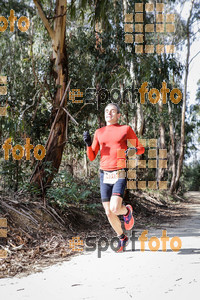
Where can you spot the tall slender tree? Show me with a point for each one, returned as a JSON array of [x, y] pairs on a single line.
[[175, 182], [57, 138]]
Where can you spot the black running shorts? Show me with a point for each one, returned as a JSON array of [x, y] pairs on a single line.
[[108, 190]]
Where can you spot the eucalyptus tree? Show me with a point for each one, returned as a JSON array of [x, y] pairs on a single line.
[[55, 25]]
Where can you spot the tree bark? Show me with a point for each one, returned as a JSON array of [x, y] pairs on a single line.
[[182, 146], [173, 152], [160, 173], [162, 138], [57, 139]]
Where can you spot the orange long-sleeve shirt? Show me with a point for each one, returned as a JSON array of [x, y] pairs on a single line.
[[110, 139]]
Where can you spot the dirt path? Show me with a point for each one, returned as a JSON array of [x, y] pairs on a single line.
[[129, 275]]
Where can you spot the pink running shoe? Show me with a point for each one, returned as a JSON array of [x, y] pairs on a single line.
[[129, 220], [122, 244]]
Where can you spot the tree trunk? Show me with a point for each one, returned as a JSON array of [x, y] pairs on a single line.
[[57, 139], [162, 137], [100, 50], [173, 152], [85, 164], [182, 146], [140, 119]]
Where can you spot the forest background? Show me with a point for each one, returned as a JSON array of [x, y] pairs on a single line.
[[80, 45]]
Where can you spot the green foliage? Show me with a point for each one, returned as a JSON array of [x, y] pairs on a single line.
[[25, 59], [31, 189], [66, 190], [12, 174], [190, 179], [92, 208]]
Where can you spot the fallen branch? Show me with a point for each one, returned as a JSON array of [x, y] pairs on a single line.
[[53, 210], [17, 247], [70, 116], [61, 104], [50, 250], [51, 214], [20, 213]]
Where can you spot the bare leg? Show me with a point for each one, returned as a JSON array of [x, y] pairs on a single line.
[[116, 206], [112, 209]]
